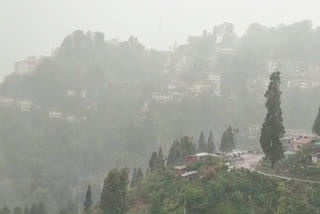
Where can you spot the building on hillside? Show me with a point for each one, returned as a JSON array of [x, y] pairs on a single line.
[[298, 143], [26, 66], [192, 175], [6, 102], [254, 131], [216, 83], [72, 119], [200, 157], [294, 68], [162, 97], [296, 133], [258, 83], [24, 105], [302, 83], [71, 93], [289, 155], [55, 115], [315, 157], [180, 169], [223, 32]]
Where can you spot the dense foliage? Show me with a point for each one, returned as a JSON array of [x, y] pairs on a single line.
[[272, 129], [316, 125]]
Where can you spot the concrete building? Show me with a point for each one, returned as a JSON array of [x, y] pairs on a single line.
[[6, 102], [26, 66], [24, 105], [162, 97], [55, 115]]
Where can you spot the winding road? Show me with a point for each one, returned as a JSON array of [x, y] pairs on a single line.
[[250, 161]]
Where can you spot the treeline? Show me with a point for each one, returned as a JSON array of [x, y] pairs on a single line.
[[34, 209]]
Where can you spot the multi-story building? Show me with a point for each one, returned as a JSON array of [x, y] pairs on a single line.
[[216, 83], [6, 102], [24, 105], [294, 68], [26, 66], [55, 115], [162, 97]]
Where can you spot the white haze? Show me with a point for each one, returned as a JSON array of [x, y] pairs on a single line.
[[35, 27]]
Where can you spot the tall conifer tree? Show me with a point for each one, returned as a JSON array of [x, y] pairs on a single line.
[[272, 129], [210, 144], [316, 125], [88, 202]]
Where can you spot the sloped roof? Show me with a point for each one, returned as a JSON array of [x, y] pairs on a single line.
[[186, 174]]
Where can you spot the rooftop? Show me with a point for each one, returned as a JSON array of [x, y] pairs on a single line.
[[203, 154], [180, 167], [186, 174]]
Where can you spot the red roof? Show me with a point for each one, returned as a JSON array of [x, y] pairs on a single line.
[[303, 140]]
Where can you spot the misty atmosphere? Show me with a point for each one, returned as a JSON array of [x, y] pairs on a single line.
[[142, 107]]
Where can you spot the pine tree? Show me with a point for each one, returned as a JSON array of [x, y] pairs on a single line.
[[272, 129], [139, 176], [227, 141], [133, 182], [153, 161], [41, 209], [26, 210], [202, 146], [316, 125], [113, 197], [160, 163], [33, 209], [173, 153], [211, 146], [180, 150], [5, 210], [88, 202], [17, 210]]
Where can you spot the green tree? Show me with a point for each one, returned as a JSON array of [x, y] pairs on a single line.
[[316, 125], [202, 146], [88, 201], [272, 129], [153, 161], [17, 210], [227, 140], [211, 146], [133, 182], [41, 209], [160, 162], [139, 176], [114, 193], [180, 150], [26, 210], [5, 210]]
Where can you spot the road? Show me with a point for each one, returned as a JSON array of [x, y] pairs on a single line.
[[250, 161]]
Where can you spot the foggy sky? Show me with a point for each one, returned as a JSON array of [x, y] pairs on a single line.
[[35, 27]]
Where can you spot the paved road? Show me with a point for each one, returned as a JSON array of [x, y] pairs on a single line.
[[250, 161]]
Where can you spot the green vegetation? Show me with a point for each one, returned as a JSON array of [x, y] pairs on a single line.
[[228, 141], [316, 125], [272, 128]]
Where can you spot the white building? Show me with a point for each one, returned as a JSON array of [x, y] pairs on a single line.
[[216, 83], [161, 97], [55, 115], [293, 68], [26, 66], [71, 93], [6, 102], [257, 83], [254, 131], [24, 105]]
